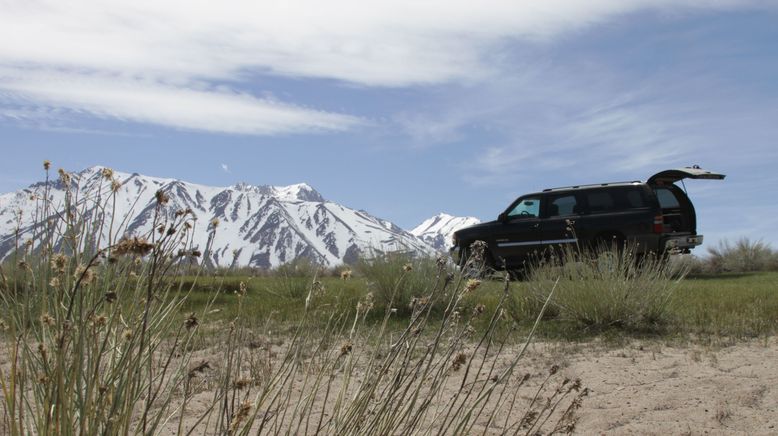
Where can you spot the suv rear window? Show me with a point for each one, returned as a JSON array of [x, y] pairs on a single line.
[[666, 199]]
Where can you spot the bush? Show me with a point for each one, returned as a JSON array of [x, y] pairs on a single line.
[[604, 288], [395, 279], [292, 280], [742, 256]]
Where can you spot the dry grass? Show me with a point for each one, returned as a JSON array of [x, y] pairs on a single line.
[[98, 344]]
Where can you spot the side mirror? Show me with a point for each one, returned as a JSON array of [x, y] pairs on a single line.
[[502, 217]]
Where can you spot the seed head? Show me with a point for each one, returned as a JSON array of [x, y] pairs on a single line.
[[136, 246], [115, 185], [44, 351], [64, 177], [472, 285], [239, 416], [191, 321], [110, 297], [87, 275], [215, 223], [127, 335], [47, 320], [46, 165], [346, 348], [459, 360], [162, 197], [59, 262], [241, 384], [100, 321], [107, 173], [479, 309], [345, 275], [407, 267]]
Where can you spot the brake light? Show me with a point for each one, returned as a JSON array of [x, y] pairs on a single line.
[[659, 224]]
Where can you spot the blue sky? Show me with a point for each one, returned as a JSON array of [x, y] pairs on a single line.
[[404, 109]]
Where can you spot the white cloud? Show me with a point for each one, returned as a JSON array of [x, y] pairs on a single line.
[[369, 42], [225, 168], [148, 101], [158, 61]]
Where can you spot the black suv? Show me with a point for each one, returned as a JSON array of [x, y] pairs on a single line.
[[655, 215]]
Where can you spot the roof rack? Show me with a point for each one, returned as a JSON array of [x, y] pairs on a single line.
[[593, 185]]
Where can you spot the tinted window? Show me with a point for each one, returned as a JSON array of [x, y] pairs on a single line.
[[600, 201], [667, 199], [635, 199], [562, 205], [528, 207], [616, 199]]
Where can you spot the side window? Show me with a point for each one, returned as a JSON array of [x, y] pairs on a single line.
[[600, 201], [528, 207], [635, 199], [562, 205], [667, 199]]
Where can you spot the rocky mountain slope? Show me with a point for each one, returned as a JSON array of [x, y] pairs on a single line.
[[259, 226]]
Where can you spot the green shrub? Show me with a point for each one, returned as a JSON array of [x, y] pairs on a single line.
[[603, 289], [742, 256], [395, 279]]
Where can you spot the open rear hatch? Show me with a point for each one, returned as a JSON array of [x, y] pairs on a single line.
[[667, 177], [678, 214]]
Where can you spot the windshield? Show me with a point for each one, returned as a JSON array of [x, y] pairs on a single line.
[[527, 207]]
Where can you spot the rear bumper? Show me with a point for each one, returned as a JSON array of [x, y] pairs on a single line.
[[682, 242]]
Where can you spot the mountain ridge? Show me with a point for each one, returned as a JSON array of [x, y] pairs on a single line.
[[259, 225], [437, 231]]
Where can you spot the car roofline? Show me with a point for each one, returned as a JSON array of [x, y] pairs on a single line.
[[594, 185]]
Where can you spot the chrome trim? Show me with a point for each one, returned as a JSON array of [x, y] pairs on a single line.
[[549, 242]]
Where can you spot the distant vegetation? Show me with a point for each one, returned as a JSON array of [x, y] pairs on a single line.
[[742, 256]]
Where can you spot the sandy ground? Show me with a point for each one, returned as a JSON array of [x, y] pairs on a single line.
[[650, 388], [646, 388]]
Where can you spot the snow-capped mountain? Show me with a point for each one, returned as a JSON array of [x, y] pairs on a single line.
[[259, 226], [437, 231]]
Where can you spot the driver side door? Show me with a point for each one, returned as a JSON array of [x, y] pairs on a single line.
[[518, 236]]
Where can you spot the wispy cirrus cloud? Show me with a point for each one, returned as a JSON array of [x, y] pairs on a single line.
[[196, 106], [167, 63]]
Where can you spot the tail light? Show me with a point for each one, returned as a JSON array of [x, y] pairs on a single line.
[[659, 224]]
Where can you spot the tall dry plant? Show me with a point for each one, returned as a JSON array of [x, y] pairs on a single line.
[[97, 343], [94, 331]]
